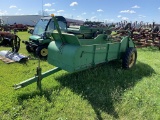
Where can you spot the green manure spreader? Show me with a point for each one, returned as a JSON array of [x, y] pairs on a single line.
[[83, 47]]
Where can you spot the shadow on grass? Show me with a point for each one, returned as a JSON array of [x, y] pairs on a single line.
[[104, 85], [46, 93], [101, 86]]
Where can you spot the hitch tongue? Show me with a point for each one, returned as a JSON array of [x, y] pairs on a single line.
[[25, 83], [37, 78]]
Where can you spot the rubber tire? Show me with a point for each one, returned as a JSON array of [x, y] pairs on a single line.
[[38, 51], [127, 56], [28, 48]]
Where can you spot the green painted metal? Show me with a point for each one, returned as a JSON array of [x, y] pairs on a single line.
[[38, 77], [37, 39], [71, 53], [86, 31], [58, 29], [34, 37], [82, 53]]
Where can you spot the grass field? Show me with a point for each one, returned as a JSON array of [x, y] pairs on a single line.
[[106, 92]]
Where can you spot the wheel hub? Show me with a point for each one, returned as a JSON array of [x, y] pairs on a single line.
[[44, 52]]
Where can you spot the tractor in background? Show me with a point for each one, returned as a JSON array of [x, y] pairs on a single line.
[[39, 41]]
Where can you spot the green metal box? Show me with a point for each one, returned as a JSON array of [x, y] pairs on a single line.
[[79, 54]]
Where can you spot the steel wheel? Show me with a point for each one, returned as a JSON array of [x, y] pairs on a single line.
[[42, 51], [132, 60], [129, 58]]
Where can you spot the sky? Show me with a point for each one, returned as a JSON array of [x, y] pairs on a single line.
[[93, 10]]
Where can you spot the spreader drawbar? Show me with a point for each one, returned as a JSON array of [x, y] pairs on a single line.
[[38, 78]]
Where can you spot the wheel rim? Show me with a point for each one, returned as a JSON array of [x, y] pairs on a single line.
[[132, 60], [44, 52]]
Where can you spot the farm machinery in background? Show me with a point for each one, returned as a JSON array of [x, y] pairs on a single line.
[[142, 34], [83, 47], [15, 27], [11, 40], [6, 38], [147, 36]]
